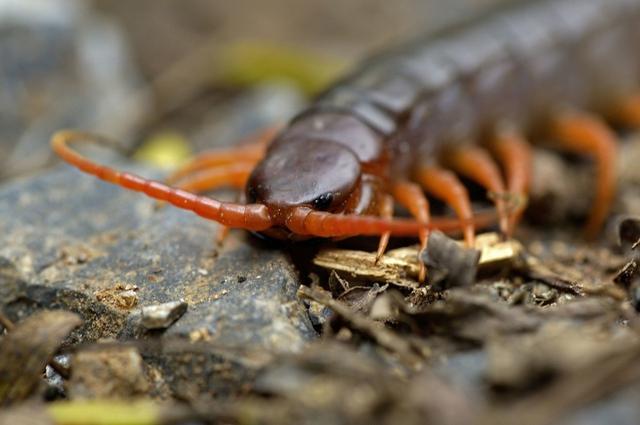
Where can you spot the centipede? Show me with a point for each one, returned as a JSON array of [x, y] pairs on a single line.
[[412, 123]]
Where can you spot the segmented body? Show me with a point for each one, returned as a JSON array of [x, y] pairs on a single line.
[[330, 169], [515, 66]]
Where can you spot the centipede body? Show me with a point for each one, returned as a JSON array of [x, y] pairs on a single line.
[[462, 102]]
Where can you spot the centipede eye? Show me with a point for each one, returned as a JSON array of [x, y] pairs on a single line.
[[252, 194], [323, 202]]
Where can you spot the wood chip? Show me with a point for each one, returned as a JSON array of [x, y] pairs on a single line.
[[400, 266]]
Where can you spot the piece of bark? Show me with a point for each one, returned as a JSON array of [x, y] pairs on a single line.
[[400, 266]]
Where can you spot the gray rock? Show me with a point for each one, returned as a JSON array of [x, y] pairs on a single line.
[[72, 242]]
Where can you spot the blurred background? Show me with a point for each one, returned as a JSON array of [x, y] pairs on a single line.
[[168, 78]]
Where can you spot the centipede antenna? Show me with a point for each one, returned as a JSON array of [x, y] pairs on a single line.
[[305, 221], [251, 217]]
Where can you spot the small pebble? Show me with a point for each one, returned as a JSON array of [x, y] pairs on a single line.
[[201, 334], [161, 316], [128, 299], [628, 232]]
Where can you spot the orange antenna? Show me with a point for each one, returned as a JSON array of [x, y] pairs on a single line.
[[306, 221], [251, 217]]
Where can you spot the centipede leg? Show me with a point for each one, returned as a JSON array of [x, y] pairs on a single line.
[[252, 152], [410, 196], [212, 159], [476, 164], [232, 175], [583, 133], [627, 111], [444, 185], [385, 211], [515, 156]]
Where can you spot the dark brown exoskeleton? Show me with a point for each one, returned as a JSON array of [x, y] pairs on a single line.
[[408, 122]]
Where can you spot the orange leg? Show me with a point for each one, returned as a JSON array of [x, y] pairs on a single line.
[[252, 153], [410, 196], [514, 153], [386, 211], [221, 158], [627, 111], [444, 185], [583, 133], [231, 175], [476, 164]]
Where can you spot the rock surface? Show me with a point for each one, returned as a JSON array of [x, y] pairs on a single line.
[[69, 241]]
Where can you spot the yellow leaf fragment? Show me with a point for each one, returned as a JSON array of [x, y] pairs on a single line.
[[166, 150], [249, 63], [105, 412], [495, 252]]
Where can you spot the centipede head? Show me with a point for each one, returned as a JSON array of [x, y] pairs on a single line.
[[317, 176]]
